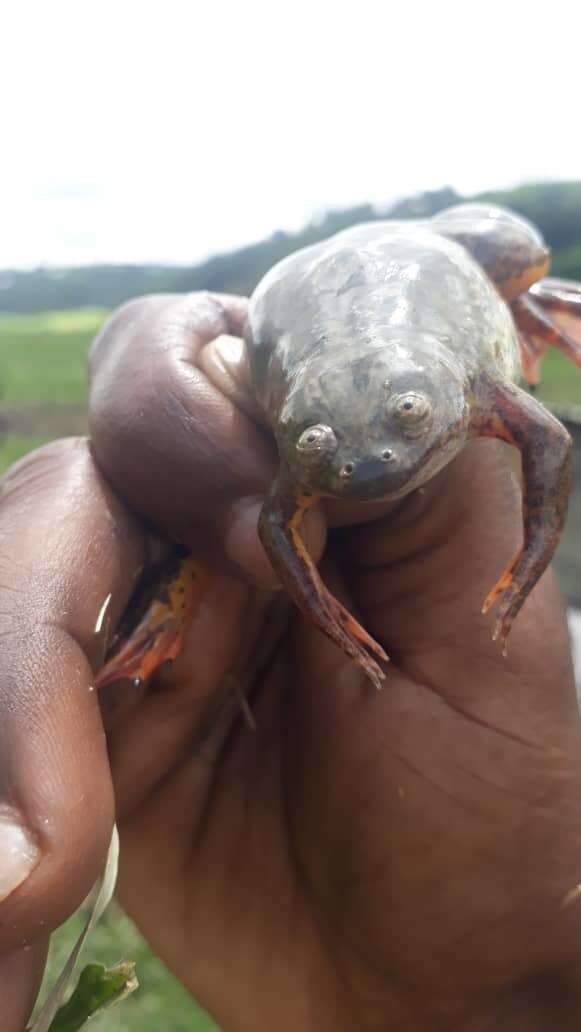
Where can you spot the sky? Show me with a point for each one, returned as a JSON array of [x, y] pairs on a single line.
[[167, 131]]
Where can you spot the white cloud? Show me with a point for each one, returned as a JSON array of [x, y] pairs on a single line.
[[165, 131]]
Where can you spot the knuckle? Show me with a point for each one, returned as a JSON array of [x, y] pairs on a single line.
[[201, 313], [41, 468]]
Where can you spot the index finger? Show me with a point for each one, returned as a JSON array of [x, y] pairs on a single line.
[[66, 544], [174, 444]]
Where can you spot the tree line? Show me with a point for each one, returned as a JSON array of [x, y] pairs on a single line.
[[554, 207]]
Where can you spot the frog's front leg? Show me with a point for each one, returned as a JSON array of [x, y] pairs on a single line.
[[510, 414], [279, 524]]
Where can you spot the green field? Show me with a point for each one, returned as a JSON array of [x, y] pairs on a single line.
[[43, 377], [43, 383], [43, 393]]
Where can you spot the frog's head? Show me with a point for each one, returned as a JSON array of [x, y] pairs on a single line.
[[376, 426]]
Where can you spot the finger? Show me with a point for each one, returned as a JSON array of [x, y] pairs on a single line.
[[20, 978], [420, 577], [181, 718], [65, 544], [225, 363], [171, 442], [413, 778]]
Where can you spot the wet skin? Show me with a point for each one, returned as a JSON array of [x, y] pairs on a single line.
[[375, 356]]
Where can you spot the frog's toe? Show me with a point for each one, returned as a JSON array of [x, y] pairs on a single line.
[[531, 353], [502, 585], [143, 654], [371, 669], [353, 640], [159, 634], [505, 618], [354, 628], [510, 594], [539, 329]]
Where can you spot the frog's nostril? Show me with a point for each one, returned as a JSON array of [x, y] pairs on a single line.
[[387, 455], [347, 470]]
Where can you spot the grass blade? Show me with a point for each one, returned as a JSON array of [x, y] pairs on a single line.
[[98, 989], [44, 1019]]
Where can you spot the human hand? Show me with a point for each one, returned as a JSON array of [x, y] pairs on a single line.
[[363, 860]]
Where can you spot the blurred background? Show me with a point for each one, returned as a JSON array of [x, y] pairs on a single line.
[[180, 146]]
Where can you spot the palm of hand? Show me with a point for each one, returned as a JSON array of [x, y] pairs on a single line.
[[364, 860], [337, 862]]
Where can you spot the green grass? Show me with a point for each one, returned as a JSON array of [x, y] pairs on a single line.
[[43, 357], [160, 1003], [561, 381], [43, 360]]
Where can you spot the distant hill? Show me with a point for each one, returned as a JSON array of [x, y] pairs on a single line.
[[554, 207]]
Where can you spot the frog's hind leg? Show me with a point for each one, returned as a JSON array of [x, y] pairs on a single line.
[[562, 300], [160, 631], [537, 318], [532, 352], [512, 415], [279, 532]]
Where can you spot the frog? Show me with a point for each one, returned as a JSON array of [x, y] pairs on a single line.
[[375, 356]]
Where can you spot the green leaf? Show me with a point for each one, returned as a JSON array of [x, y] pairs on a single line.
[[43, 1022], [98, 989]]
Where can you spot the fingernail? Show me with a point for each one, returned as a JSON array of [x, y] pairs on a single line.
[[19, 853], [244, 549], [225, 363], [229, 352]]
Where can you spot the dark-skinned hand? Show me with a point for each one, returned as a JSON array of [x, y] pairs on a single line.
[[404, 859]]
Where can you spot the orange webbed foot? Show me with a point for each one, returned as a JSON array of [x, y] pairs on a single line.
[[278, 528], [510, 597], [159, 634]]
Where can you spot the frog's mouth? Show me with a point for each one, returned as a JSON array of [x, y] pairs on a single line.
[[372, 477], [389, 474]]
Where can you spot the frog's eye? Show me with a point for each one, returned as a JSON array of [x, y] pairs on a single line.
[[412, 410], [317, 442]]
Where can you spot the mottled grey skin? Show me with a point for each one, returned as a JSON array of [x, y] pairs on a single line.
[[340, 331], [374, 356]]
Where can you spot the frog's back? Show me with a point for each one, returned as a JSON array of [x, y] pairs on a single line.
[[390, 282]]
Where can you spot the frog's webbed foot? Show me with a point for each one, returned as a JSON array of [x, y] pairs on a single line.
[[561, 298], [548, 315], [532, 352], [278, 527], [511, 415], [159, 632]]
